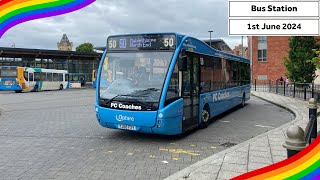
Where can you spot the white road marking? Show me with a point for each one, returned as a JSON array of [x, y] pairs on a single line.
[[264, 126], [165, 162], [225, 121]]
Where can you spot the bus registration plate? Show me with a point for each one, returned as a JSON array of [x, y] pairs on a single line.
[[127, 127]]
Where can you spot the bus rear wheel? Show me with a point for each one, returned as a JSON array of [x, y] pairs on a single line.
[[205, 117], [61, 87]]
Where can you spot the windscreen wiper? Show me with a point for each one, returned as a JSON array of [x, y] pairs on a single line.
[[151, 89], [110, 100], [143, 92]]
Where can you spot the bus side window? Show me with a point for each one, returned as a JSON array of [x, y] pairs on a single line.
[[49, 76], [43, 76], [218, 76], [55, 77], [60, 77], [173, 90], [36, 76], [207, 74]]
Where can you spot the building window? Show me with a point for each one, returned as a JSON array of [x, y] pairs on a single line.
[[262, 48]]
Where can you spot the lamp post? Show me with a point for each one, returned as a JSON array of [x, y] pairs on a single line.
[[210, 37]]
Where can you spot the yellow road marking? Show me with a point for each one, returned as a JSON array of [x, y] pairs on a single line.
[[180, 151]]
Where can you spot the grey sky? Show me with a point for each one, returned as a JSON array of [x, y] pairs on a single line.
[[108, 17]]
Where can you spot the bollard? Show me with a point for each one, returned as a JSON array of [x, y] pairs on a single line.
[[313, 113], [295, 141]]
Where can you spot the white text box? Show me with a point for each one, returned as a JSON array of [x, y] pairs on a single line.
[[262, 9], [279, 27]]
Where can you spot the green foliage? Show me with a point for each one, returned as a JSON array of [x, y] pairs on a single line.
[[316, 60], [85, 48], [299, 67]]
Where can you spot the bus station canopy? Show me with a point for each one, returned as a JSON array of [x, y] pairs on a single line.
[[46, 54]]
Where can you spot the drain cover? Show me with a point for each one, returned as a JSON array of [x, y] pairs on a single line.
[[228, 144]]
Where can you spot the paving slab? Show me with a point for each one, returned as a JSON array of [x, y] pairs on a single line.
[[258, 152]]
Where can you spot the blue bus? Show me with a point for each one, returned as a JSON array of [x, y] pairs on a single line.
[[167, 83]]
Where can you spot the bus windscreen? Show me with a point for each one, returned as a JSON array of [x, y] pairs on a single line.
[[134, 75]]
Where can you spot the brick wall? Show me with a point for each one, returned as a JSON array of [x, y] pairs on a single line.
[[273, 68]]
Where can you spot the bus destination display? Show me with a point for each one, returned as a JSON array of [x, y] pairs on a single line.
[[142, 42]]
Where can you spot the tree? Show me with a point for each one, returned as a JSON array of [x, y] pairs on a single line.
[[316, 60], [85, 48], [299, 67]]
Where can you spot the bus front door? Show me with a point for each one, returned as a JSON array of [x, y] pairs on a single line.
[[190, 93]]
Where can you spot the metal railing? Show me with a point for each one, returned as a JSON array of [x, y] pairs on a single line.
[[303, 91]]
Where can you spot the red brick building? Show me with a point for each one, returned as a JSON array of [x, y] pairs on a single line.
[[268, 53]]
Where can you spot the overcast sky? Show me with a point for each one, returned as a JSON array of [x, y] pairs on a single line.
[[96, 22]]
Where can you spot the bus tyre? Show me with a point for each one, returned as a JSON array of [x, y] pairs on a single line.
[[243, 101], [61, 87], [18, 91], [205, 117]]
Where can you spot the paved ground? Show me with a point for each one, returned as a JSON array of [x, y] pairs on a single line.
[[261, 151], [54, 135]]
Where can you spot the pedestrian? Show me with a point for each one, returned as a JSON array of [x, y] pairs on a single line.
[[281, 80], [82, 81], [287, 82]]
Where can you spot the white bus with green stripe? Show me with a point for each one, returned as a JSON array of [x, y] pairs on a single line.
[[20, 79]]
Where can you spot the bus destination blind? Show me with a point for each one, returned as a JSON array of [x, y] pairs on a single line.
[[142, 42]]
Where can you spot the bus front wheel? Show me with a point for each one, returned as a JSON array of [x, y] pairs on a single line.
[[205, 117], [18, 91], [61, 87]]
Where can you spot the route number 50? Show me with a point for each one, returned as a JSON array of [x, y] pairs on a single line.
[[168, 42], [112, 44]]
